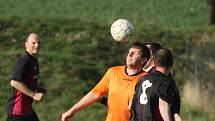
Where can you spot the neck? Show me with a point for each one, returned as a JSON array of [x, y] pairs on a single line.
[[132, 70], [34, 55], [163, 70], [148, 68]]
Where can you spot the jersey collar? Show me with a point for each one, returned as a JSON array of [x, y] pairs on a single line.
[[132, 74]]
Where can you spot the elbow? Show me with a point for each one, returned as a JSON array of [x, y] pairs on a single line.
[[161, 108], [161, 105], [177, 117], [13, 83]]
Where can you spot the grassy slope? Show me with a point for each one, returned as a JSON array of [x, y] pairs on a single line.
[[70, 63], [167, 14], [76, 35]]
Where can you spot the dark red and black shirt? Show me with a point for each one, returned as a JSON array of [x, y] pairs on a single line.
[[25, 71], [145, 103]]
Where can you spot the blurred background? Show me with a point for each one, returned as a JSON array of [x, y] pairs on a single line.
[[77, 49]]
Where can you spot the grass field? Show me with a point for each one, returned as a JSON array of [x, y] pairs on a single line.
[[168, 14], [77, 47]]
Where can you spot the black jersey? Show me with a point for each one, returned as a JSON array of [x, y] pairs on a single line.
[[25, 71], [175, 104], [145, 103]]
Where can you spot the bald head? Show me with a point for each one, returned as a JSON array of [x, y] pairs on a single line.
[[32, 36], [32, 44]]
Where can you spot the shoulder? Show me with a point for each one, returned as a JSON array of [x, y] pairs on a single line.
[[24, 58], [167, 84], [147, 76], [143, 78], [116, 68]]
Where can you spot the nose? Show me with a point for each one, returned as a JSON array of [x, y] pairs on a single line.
[[130, 54], [37, 45]]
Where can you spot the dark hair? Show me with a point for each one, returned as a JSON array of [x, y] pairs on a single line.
[[163, 57], [153, 47], [145, 51]]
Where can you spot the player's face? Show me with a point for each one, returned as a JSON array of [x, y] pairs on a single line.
[[134, 57], [32, 45]]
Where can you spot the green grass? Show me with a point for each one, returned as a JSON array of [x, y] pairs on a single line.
[[190, 113], [72, 64], [165, 14]]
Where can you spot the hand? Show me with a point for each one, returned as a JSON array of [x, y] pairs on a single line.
[[177, 117], [43, 90], [37, 96], [65, 116]]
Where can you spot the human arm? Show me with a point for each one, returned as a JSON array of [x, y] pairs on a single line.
[[166, 96], [176, 104], [24, 89], [175, 107], [94, 95], [40, 89], [83, 103], [164, 110], [102, 88], [177, 117]]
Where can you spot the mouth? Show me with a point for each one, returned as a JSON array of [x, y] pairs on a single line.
[[36, 50], [129, 60]]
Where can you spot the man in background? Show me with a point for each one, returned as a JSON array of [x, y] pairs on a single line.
[[24, 83]]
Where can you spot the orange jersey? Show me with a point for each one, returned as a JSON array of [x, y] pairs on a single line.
[[120, 89]]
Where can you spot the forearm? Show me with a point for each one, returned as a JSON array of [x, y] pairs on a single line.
[[164, 110], [84, 102], [37, 96], [177, 117], [22, 88]]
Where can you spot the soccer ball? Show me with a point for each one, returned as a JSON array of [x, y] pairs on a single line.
[[121, 30]]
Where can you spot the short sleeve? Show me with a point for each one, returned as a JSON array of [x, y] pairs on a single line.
[[165, 91], [102, 87], [176, 103], [18, 73]]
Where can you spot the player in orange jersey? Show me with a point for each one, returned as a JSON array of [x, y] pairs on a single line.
[[119, 83]]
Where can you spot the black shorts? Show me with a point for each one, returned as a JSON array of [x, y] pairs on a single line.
[[32, 117]]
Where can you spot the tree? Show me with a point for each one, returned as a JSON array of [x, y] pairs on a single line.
[[211, 11]]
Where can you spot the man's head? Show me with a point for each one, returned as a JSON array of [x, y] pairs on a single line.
[[138, 55], [163, 58], [32, 44], [153, 47]]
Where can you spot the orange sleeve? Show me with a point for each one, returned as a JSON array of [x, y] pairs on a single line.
[[102, 87]]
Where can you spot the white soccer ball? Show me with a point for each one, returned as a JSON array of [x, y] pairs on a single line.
[[121, 30]]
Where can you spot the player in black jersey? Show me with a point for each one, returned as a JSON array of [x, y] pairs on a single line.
[[24, 83], [156, 96], [149, 66]]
